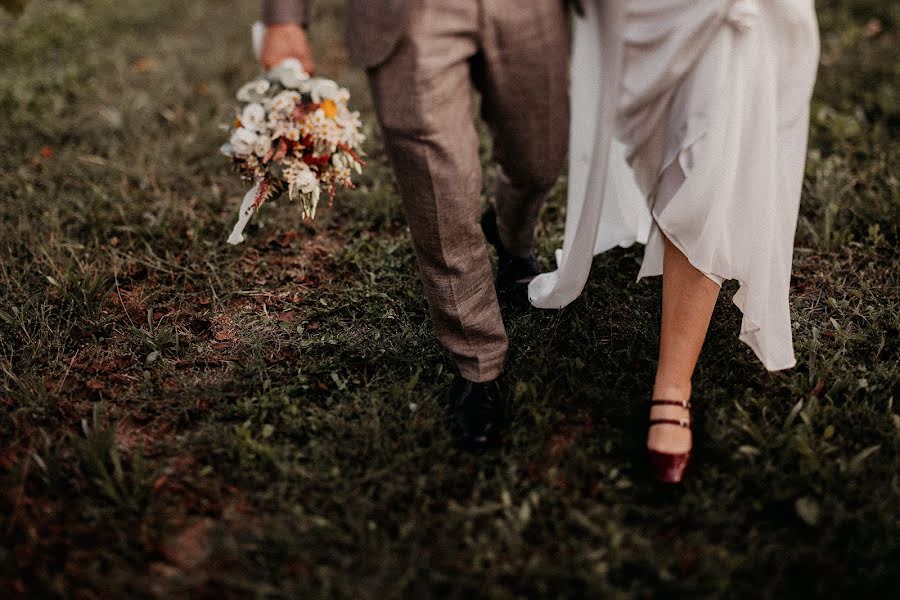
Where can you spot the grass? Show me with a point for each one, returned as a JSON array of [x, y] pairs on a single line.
[[179, 418]]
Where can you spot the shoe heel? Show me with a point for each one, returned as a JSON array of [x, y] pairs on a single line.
[[669, 468]]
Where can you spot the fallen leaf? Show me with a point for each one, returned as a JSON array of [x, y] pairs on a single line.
[[191, 547], [164, 571], [872, 29], [160, 482], [145, 65], [287, 317], [287, 238]]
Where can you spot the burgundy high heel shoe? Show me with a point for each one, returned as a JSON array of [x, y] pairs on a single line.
[[669, 468]]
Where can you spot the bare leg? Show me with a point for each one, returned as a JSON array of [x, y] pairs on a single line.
[[689, 298]]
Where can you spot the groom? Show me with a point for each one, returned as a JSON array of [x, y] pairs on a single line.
[[423, 58]]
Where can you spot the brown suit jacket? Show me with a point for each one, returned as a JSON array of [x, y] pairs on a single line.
[[374, 27]]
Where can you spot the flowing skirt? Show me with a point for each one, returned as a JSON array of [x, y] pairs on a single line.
[[707, 147]]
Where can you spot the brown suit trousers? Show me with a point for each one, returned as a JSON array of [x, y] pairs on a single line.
[[515, 53]]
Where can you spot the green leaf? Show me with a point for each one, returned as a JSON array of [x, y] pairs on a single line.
[[793, 414], [857, 461]]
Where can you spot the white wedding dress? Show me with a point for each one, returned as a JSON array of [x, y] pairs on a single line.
[[716, 94]]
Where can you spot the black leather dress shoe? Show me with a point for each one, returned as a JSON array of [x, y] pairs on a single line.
[[476, 414], [514, 273]]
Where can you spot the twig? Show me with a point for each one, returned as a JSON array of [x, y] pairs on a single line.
[[121, 301], [66, 374]]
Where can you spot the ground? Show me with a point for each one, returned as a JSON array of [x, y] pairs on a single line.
[[181, 418]]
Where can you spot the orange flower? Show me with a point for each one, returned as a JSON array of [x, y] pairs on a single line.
[[330, 109]]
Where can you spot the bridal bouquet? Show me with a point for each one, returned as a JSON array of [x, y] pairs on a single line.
[[296, 134]]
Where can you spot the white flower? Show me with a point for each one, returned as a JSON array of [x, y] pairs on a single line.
[[291, 133], [284, 103], [243, 142], [262, 146], [323, 89], [345, 162], [254, 116], [253, 91], [304, 179], [304, 182], [289, 73]]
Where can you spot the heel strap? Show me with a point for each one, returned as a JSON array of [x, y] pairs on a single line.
[[682, 423], [682, 403]]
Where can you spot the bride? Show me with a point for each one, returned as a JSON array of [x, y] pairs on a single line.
[[689, 135]]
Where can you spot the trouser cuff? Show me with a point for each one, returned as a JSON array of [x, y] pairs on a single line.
[[479, 370]]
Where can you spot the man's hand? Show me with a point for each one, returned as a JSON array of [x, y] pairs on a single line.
[[286, 40]]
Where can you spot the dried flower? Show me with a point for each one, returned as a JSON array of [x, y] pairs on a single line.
[[289, 73], [243, 141], [253, 91], [254, 116], [295, 134]]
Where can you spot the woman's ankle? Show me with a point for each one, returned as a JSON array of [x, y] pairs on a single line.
[[666, 390]]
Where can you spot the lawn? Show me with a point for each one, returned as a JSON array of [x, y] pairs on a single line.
[[184, 419]]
